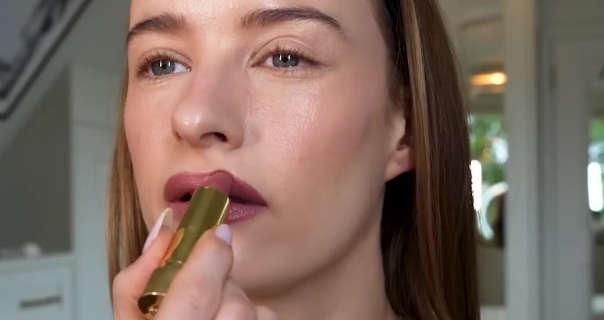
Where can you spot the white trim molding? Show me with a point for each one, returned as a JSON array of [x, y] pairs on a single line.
[[521, 116]]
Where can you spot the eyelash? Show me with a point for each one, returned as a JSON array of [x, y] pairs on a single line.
[[143, 69], [289, 51]]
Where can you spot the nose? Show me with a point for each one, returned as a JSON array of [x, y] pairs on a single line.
[[209, 114]]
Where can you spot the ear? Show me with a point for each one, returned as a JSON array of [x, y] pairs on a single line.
[[400, 151]]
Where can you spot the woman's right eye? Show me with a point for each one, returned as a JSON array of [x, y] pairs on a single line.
[[163, 67]]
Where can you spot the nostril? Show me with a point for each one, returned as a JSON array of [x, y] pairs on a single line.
[[214, 136], [220, 136]]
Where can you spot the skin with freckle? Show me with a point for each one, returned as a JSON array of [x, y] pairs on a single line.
[[313, 139]]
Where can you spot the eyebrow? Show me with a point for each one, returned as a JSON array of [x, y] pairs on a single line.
[[162, 23], [170, 23], [266, 17]]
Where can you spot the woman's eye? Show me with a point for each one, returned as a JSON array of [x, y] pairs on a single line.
[[285, 60], [288, 60], [163, 67]]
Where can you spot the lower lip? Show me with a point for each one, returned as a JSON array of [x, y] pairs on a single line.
[[236, 211]]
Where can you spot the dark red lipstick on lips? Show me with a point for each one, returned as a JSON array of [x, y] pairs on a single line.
[[207, 209], [245, 201], [200, 201]]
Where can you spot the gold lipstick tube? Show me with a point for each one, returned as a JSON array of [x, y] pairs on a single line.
[[207, 209]]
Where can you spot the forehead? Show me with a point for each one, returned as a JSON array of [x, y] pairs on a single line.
[[351, 14]]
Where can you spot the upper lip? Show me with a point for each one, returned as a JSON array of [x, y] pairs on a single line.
[[181, 186]]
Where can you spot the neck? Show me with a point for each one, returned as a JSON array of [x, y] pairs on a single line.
[[350, 288]]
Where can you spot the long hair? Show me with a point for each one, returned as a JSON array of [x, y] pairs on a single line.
[[428, 226], [428, 221]]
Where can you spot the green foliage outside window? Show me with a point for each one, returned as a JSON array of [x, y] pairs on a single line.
[[488, 144], [486, 138]]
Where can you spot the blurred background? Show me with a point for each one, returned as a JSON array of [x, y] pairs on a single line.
[[533, 74]]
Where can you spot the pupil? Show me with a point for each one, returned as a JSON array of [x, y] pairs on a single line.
[[285, 60], [163, 67]]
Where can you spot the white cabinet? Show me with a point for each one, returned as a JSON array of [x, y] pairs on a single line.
[[36, 289]]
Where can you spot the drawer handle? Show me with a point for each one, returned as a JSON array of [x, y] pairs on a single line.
[[40, 302]]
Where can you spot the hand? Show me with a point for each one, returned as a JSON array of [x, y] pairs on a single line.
[[201, 289]]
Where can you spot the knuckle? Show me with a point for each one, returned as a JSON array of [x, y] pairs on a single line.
[[192, 282], [198, 303], [238, 308], [264, 313], [215, 248], [120, 283], [193, 298]]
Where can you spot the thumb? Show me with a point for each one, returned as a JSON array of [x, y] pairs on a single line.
[[130, 282]]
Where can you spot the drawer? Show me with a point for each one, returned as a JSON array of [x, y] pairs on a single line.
[[36, 294]]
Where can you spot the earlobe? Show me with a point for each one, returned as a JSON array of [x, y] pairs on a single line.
[[400, 161], [400, 157]]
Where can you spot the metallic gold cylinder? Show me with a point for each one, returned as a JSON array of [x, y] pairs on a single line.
[[207, 209]]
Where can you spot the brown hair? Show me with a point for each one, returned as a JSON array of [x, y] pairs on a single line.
[[428, 223]]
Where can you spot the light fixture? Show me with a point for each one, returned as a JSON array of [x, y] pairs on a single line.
[[497, 78]]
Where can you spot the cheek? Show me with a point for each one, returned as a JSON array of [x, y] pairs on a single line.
[[323, 151], [341, 147], [327, 135], [146, 131]]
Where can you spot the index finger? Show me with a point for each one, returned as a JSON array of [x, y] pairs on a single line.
[[130, 282], [196, 291]]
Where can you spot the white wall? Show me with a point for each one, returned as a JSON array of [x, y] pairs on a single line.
[[35, 195], [97, 50], [93, 55], [94, 99]]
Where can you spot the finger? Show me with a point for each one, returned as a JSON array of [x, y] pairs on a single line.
[[235, 304], [196, 291], [264, 313], [131, 281]]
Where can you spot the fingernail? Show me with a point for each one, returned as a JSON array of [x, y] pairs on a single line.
[[224, 233], [164, 219]]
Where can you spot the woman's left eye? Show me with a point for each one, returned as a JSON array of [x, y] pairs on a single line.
[[164, 67], [286, 60]]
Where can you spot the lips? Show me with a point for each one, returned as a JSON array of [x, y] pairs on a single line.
[[245, 201]]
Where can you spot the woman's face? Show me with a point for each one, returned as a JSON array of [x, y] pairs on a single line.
[[289, 96]]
